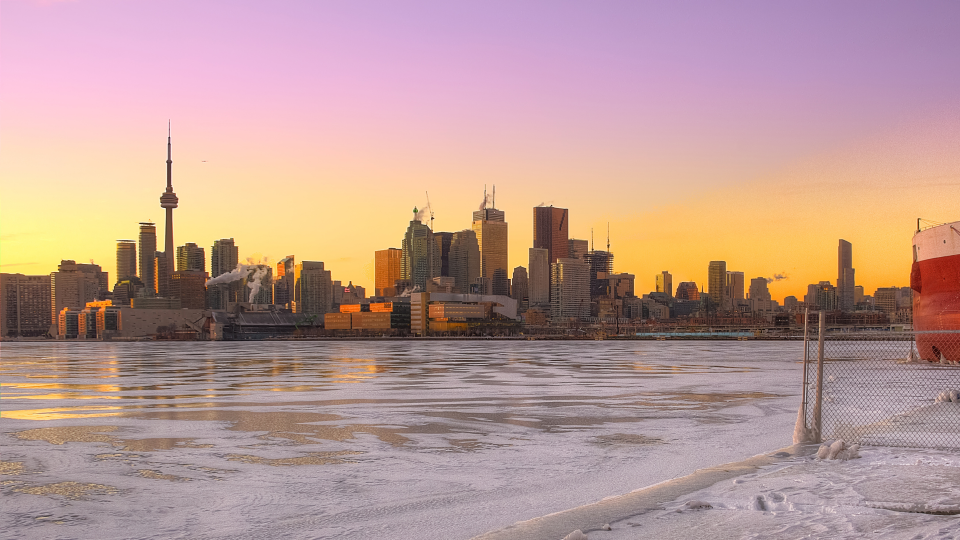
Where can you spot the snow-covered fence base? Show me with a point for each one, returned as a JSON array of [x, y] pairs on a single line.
[[879, 389]]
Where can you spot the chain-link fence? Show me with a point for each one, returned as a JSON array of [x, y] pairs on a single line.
[[884, 388]]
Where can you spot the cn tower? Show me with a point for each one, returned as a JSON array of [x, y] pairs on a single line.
[[168, 201]]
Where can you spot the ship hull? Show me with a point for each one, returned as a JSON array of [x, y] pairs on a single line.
[[935, 280]]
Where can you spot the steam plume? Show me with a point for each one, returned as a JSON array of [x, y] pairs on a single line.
[[254, 272], [778, 277]]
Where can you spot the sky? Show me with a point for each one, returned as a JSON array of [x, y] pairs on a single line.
[[758, 133]]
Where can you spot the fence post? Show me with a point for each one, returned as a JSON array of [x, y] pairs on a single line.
[[803, 399], [818, 404]]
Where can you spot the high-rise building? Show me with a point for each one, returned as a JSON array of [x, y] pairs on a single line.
[[224, 257], [148, 250], [601, 266], [845, 276], [189, 286], [464, 260], [826, 296], [168, 201], [570, 289], [885, 299], [73, 285], [25, 305], [717, 284], [735, 286], [576, 249], [191, 257], [491, 228], [519, 287], [687, 290], [665, 283], [283, 284], [857, 294], [538, 285], [162, 278], [760, 300], [313, 289], [443, 240], [126, 259], [420, 261], [622, 285], [551, 232], [387, 264]]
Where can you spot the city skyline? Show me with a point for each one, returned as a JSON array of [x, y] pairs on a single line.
[[728, 157]]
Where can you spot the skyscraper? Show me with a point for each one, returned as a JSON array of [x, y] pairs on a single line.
[[601, 266], [191, 257], [313, 289], [519, 287], [420, 261], [845, 276], [569, 289], [464, 260], [283, 284], [25, 305], [126, 259], [550, 232], [491, 228], [717, 284], [168, 201], [576, 249], [224, 257], [538, 285], [387, 264], [665, 283], [73, 285], [687, 290], [735, 286], [161, 276], [443, 240], [148, 250]]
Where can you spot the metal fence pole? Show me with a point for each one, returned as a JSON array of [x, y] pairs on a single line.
[[803, 401], [818, 404]]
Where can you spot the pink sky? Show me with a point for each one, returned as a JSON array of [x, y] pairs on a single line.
[[322, 124]]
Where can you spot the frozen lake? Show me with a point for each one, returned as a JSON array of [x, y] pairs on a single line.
[[367, 439]]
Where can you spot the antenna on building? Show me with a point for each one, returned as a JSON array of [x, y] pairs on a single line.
[[608, 236], [591, 239], [494, 201]]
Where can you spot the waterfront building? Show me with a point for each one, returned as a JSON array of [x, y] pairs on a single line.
[[885, 299], [25, 305], [191, 257], [73, 285], [717, 284], [387, 263], [491, 228], [538, 285], [420, 261], [189, 287], [577, 249], [551, 232], [664, 283], [464, 260], [845, 276], [313, 289], [148, 249], [570, 289], [126, 259], [519, 287]]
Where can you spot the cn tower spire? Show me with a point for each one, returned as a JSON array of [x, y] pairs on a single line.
[[168, 201]]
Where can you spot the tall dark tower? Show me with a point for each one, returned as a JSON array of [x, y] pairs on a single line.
[[168, 201]]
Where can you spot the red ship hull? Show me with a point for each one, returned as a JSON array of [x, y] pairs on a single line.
[[936, 307]]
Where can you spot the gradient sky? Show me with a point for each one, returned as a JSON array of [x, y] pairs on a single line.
[[754, 132]]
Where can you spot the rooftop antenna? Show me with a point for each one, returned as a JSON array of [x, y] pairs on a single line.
[[591, 239], [608, 236], [494, 201], [430, 207]]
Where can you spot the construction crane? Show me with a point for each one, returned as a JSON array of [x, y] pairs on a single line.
[[430, 207]]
